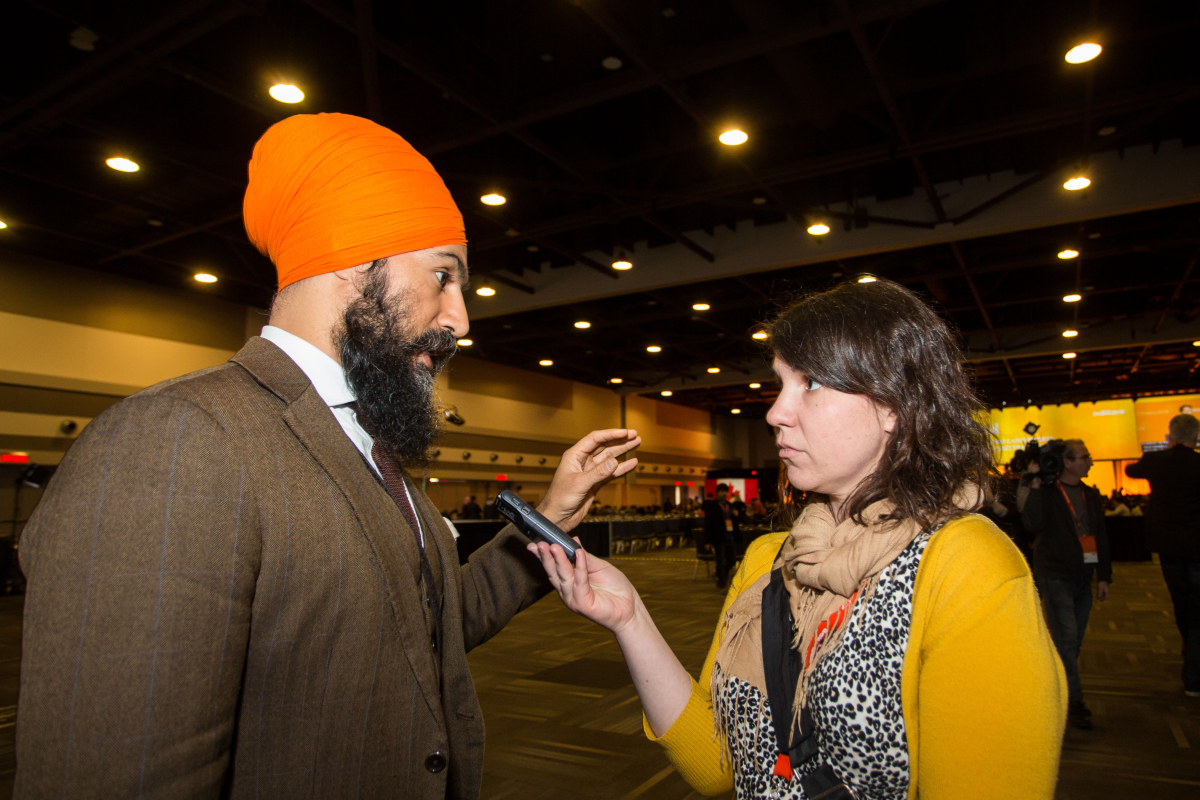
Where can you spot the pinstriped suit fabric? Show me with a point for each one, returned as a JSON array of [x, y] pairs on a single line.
[[223, 603]]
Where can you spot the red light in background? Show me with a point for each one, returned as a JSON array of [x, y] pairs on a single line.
[[691, 484], [679, 483], [14, 458], [753, 472], [501, 477]]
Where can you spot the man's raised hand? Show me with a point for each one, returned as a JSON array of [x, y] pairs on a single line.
[[584, 468]]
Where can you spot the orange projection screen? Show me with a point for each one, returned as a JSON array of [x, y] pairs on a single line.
[[1153, 415], [1108, 428]]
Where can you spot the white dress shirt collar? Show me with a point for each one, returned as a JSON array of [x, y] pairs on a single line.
[[326, 375]]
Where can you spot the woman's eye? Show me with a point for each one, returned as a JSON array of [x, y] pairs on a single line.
[[813, 385]]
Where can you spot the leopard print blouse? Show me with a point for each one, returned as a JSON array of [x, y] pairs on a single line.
[[854, 696]]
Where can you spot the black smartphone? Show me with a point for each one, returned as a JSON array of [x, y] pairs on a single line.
[[533, 524]]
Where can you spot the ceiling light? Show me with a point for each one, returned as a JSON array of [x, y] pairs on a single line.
[[756, 386], [759, 335], [122, 164], [1107, 130], [622, 264], [1077, 183], [583, 324], [1070, 334], [714, 370], [614, 380], [612, 62], [818, 229], [1072, 298], [465, 342], [700, 306], [1081, 53], [759, 201], [733, 137], [286, 93], [545, 362], [3, 225], [1068, 254], [204, 277], [1068, 355], [485, 291], [1196, 343], [653, 349], [666, 393], [735, 411], [867, 279], [435, 480], [493, 199]]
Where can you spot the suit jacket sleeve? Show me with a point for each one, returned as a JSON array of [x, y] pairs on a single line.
[[498, 580], [141, 559], [1141, 469]]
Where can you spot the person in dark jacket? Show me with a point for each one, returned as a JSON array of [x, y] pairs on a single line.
[[471, 509], [1174, 527], [1070, 547], [721, 531]]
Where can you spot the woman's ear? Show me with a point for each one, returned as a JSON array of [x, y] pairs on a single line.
[[887, 418]]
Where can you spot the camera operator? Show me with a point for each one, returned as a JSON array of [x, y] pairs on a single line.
[[1071, 545]]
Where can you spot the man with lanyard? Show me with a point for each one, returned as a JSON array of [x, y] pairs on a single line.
[[721, 531], [1071, 546]]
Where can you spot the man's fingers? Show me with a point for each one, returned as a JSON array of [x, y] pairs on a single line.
[[624, 467], [597, 440]]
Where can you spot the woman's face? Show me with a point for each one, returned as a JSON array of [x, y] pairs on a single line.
[[830, 441]]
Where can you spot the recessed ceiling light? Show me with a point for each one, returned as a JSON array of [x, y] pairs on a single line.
[[485, 291], [622, 264], [1077, 183], [533, 248], [1095, 235], [700, 306], [1072, 298], [756, 386], [612, 62], [583, 324], [204, 277], [759, 201], [759, 335], [493, 199], [714, 370], [3, 225], [1070, 334], [1081, 53], [818, 229], [1068, 254], [545, 362], [867, 279], [1068, 355], [465, 342], [735, 411], [286, 93], [1107, 130], [653, 349], [122, 164], [666, 393], [1196, 343], [615, 380], [733, 137]]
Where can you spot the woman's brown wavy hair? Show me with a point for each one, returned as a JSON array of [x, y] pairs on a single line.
[[878, 339]]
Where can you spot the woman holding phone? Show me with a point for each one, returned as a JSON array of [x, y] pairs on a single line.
[[891, 644]]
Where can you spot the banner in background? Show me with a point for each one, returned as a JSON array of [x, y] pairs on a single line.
[[1108, 427], [1153, 415], [745, 488]]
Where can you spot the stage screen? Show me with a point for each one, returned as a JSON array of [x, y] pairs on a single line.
[[1107, 427], [1153, 415]]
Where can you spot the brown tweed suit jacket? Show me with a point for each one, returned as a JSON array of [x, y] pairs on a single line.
[[223, 603]]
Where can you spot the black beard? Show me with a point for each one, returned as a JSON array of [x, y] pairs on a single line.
[[395, 391]]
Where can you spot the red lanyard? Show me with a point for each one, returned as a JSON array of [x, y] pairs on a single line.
[[1070, 505]]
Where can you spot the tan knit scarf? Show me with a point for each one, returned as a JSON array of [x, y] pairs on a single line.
[[824, 564]]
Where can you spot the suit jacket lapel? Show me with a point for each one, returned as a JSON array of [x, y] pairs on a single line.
[[386, 530]]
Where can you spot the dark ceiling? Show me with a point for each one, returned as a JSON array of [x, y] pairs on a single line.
[[843, 99]]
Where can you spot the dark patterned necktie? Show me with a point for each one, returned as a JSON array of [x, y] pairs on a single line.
[[395, 481]]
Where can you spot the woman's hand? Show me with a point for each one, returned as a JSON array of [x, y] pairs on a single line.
[[587, 466], [592, 588]]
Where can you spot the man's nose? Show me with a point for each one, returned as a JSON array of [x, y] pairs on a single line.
[[453, 314]]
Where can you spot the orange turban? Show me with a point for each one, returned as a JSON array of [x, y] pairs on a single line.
[[331, 191]]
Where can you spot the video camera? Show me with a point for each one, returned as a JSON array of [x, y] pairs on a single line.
[[1048, 457]]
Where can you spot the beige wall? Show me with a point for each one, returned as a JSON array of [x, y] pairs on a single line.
[[77, 340]]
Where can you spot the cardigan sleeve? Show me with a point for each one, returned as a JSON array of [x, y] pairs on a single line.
[[691, 743], [985, 704]]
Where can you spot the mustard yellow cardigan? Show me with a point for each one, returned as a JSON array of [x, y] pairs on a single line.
[[982, 688]]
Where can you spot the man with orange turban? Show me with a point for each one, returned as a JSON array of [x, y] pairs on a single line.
[[234, 588]]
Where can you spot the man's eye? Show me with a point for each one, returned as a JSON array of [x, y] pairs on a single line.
[[442, 277]]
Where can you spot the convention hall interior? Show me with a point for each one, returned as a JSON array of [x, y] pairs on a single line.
[[644, 184]]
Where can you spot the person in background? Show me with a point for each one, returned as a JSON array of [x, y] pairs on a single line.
[[1174, 527], [721, 532], [890, 645], [471, 509], [1070, 549]]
